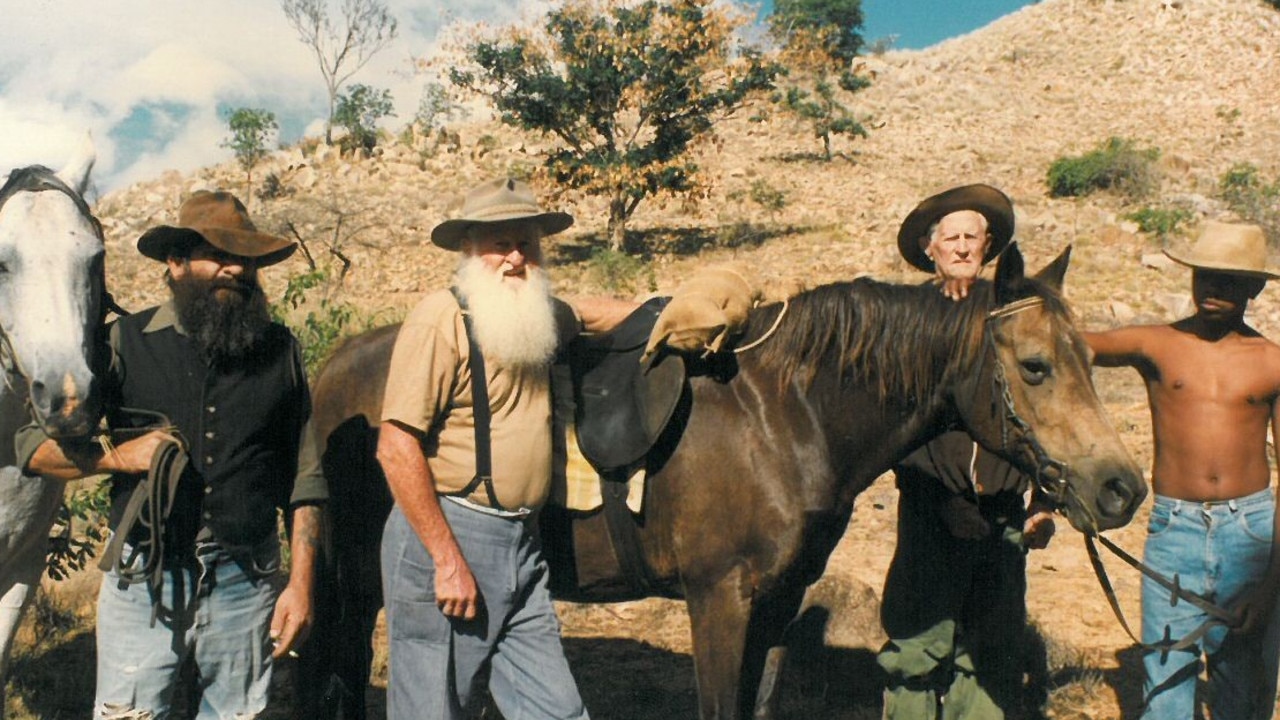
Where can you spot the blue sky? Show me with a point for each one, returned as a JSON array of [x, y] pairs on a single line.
[[921, 23], [151, 80]]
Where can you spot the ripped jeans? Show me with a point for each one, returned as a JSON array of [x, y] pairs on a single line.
[[211, 609]]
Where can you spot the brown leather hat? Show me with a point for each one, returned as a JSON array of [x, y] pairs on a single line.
[[994, 205], [496, 201], [222, 221]]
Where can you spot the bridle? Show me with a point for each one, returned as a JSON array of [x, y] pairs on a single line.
[[1051, 478], [1051, 473]]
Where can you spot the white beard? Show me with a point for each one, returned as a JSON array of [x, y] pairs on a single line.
[[514, 321]]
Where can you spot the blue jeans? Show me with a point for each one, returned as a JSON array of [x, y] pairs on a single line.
[[212, 609], [1219, 550], [436, 660]]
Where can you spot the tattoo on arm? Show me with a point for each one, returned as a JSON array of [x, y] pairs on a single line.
[[306, 526]]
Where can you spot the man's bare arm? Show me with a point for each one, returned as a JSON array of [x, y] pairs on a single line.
[[293, 614], [72, 462], [413, 487], [601, 314], [1122, 347]]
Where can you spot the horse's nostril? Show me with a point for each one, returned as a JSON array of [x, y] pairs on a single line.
[[1115, 498]]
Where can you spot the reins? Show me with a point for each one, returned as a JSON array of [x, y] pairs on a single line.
[[1217, 616]]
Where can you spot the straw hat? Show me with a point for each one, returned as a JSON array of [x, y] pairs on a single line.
[[995, 206], [222, 221], [497, 201], [1226, 247]]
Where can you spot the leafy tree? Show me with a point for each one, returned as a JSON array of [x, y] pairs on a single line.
[[836, 24], [819, 38], [251, 132], [628, 88], [359, 111], [435, 107], [341, 48]]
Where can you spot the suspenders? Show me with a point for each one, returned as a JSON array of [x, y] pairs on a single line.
[[480, 400]]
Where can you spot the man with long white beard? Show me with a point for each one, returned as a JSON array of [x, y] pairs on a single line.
[[466, 445], [192, 568]]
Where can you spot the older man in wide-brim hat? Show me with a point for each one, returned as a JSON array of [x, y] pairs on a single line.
[[1213, 383], [466, 444], [210, 415], [954, 600]]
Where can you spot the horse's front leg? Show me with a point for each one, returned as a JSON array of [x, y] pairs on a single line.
[[719, 615]]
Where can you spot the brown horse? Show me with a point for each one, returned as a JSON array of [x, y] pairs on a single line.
[[742, 513]]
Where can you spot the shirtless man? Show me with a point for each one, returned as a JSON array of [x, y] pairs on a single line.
[[1212, 382]]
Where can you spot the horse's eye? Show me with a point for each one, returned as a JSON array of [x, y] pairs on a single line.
[[1034, 370]]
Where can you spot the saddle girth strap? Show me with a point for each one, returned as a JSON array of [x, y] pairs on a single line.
[[624, 537], [483, 414], [149, 506]]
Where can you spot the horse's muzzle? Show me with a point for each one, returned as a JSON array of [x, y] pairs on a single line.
[[1104, 495]]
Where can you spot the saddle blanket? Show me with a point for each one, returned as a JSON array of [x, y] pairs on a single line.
[[578, 486]]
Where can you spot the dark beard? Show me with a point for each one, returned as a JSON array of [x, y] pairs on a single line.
[[226, 326]]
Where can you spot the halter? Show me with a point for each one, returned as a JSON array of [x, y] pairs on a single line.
[[1051, 474]]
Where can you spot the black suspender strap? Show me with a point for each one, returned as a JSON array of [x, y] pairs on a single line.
[[480, 401]]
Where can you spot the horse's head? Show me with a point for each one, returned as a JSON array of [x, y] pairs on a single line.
[[1034, 401], [51, 291]]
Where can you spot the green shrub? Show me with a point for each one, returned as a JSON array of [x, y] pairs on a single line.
[[1116, 164], [80, 526], [359, 112], [618, 272], [1160, 221], [1253, 197], [767, 196], [326, 321]]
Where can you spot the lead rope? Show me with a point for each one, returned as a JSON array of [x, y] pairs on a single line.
[[768, 333], [148, 508]]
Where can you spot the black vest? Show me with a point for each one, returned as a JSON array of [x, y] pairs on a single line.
[[242, 427]]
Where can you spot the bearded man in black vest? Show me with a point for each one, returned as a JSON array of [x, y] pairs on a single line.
[[209, 410]]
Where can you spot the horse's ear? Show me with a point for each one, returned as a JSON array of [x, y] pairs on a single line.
[[76, 172], [1053, 273], [1009, 270]]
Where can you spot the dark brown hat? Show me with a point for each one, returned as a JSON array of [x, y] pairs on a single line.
[[497, 201], [222, 221], [994, 205]]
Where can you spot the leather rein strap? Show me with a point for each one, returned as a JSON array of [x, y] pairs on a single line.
[[1217, 616], [149, 507]]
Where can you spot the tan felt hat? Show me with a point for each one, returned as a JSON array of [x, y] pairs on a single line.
[[498, 201], [1226, 247]]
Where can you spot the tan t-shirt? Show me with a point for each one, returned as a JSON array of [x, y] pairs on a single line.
[[429, 389]]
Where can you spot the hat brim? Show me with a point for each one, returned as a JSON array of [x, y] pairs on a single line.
[[158, 242], [450, 233], [1196, 263], [994, 205]]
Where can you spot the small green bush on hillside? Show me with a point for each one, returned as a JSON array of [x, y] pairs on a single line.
[[1254, 198], [1160, 221], [1117, 164]]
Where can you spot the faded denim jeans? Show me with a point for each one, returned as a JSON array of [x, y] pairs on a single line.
[[211, 609], [1219, 550], [436, 661]]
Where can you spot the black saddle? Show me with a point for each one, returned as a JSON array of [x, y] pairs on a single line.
[[622, 408]]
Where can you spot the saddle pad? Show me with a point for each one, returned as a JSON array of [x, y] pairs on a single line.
[[621, 409]]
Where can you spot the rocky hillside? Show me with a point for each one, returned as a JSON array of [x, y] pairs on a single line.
[[1194, 78]]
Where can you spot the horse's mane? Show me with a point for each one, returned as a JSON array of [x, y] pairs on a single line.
[[35, 178], [899, 339]]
